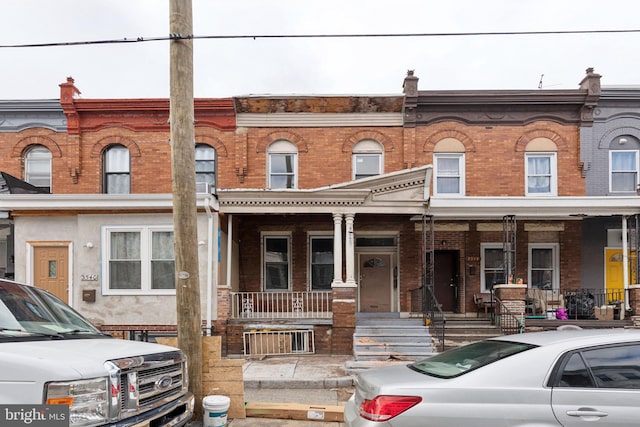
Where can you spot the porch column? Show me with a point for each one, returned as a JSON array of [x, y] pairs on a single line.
[[337, 249], [350, 249]]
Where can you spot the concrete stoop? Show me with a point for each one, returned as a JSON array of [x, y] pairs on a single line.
[[390, 338]]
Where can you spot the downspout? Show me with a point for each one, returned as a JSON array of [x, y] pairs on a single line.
[[207, 208], [625, 263], [229, 248]]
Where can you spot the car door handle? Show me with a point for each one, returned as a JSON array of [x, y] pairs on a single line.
[[589, 414]]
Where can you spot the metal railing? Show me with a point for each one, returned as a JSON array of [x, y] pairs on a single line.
[[508, 322], [281, 305], [432, 311], [278, 342], [583, 304]]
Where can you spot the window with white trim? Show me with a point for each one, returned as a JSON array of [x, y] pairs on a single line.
[[138, 260], [37, 167], [205, 157], [492, 264], [541, 174], [276, 268], [282, 165], [367, 159], [449, 174], [321, 262], [117, 176], [623, 165], [543, 266]]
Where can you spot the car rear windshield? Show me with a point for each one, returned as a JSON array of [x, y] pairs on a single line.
[[458, 361]]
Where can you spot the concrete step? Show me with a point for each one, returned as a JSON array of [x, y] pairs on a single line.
[[379, 338]]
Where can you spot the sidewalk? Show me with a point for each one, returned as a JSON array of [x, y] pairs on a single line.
[[307, 379]]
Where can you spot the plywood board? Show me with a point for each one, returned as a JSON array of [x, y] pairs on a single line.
[[295, 411]]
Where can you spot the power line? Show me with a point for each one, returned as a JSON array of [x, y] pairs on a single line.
[[313, 36]]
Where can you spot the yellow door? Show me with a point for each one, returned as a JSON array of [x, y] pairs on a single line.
[[51, 270], [614, 277]]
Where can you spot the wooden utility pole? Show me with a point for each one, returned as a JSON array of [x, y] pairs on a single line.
[[183, 180]]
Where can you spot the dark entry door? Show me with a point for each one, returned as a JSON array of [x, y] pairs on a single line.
[[446, 279]]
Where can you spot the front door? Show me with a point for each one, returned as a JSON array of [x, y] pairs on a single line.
[[51, 270], [375, 282], [446, 279]]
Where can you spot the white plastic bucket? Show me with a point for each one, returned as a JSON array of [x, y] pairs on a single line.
[[215, 410]]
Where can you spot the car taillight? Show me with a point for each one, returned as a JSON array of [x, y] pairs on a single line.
[[383, 408]]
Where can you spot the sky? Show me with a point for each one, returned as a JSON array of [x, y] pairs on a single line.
[[306, 66]]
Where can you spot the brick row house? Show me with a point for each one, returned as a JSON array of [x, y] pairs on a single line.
[[311, 209]]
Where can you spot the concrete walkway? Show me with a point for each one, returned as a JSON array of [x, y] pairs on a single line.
[[307, 379]]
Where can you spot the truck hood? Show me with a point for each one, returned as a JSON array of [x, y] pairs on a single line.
[[60, 360]]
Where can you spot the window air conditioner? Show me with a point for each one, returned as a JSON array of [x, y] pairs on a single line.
[[204, 188]]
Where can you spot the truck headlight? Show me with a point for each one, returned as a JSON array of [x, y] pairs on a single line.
[[87, 400]]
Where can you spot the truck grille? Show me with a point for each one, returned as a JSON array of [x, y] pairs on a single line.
[[146, 382]]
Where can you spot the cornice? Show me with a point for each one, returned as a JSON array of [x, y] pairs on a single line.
[[318, 119]]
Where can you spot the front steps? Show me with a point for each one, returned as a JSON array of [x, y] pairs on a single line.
[[389, 337], [461, 330]]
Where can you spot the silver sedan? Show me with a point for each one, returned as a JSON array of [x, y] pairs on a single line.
[[557, 378]]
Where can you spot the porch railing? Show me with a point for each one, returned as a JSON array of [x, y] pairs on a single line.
[[508, 322], [586, 304], [424, 301], [281, 305]]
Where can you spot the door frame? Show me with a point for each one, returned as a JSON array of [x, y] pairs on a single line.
[[393, 293], [30, 265]]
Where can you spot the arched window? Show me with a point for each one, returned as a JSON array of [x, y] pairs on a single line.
[[367, 159], [624, 164], [449, 168], [37, 167], [205, 169], [282, 167], [117, 176], [541, 168]]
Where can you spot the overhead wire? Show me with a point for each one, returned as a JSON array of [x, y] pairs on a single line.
[[311, 36]]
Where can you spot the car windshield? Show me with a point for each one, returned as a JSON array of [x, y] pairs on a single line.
[[460, 360], [28, 311]]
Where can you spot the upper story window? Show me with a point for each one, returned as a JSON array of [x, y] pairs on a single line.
[[367, 159], [276, 262], [449, 168], [541, 170], [37, 167], [138, 260], [117, 176], [282, 167], [541, 174], [623, 165], [206, 165]]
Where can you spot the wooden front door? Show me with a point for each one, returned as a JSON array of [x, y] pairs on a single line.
[[446, 279], [51, 270], [375, 282]]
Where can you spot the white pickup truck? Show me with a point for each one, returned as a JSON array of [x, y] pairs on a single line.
[[51, 355]]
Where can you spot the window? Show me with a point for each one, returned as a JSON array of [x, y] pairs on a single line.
[[321, 263], [282, 167], [540, 171], [610, 367], [117, 179], [206, 165], [276, 263], [367, 159], [138, 260], [37, 167], [492, 266], [449, 174], [543, 266], [624, 170]]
